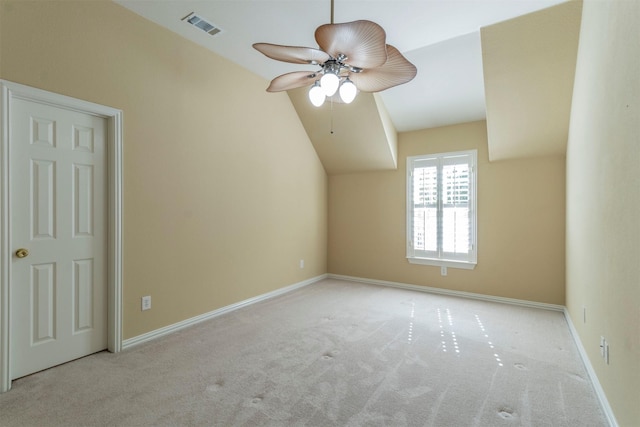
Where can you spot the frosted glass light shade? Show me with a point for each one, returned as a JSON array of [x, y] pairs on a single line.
[[348, 91], [316, 95], [329, 83]]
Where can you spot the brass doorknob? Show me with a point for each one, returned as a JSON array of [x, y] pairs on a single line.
[[22, 252]]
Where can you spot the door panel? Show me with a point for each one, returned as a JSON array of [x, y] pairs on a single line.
[[58, 213], [43, 312]]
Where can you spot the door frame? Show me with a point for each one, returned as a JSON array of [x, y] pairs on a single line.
[[9, 91]]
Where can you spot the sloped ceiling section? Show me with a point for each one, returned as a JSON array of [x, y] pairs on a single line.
[[354, 137], [529, 66]]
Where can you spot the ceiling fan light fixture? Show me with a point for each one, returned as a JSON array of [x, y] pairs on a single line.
[[346, 51], [348, 91], [329, 83], [316, 94]]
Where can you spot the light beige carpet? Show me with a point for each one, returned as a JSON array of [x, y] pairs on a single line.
[[333, 353]]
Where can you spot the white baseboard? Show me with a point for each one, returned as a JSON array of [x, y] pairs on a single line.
[[131, 342], [449, 292], [604, 403]]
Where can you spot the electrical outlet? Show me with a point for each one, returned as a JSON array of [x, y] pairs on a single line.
[[443, 270], [146, 302], [301, 263]]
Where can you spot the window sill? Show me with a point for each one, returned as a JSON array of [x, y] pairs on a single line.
[[443, 263]]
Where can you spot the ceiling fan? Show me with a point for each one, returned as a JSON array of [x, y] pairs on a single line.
[[352, 56]]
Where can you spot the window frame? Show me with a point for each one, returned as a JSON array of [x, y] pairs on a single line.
[[463, 261]]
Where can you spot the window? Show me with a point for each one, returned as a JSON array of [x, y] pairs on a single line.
[[441, 209]]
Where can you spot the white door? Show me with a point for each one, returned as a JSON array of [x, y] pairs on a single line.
[[58, 292]]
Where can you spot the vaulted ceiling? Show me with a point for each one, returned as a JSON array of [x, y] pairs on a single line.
[[511, 62]]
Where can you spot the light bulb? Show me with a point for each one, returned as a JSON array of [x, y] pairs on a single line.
[[329, 83], [316, 95], [348, 91]]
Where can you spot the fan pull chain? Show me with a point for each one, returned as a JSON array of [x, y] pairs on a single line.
[[331, 114]]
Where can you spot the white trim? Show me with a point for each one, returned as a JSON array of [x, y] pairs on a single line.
[[597, 388], [131, 342], [442, 263], [5, 258], [448, 292], [10, 91], [115, 255]]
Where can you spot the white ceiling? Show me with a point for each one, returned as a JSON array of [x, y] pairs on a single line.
[[440, 37]]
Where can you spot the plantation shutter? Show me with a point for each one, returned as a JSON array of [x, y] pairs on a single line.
[[440, 207], [456, 226], [425, 207]]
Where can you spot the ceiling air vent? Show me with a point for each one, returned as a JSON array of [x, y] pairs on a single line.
[[203, 24]]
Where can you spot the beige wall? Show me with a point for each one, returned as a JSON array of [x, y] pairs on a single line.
[[223, 192], [603, 199], [521, 211]]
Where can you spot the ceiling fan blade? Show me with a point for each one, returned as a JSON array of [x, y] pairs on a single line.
[[292, 81], [396, 71], [293, 54], [362, 42]]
